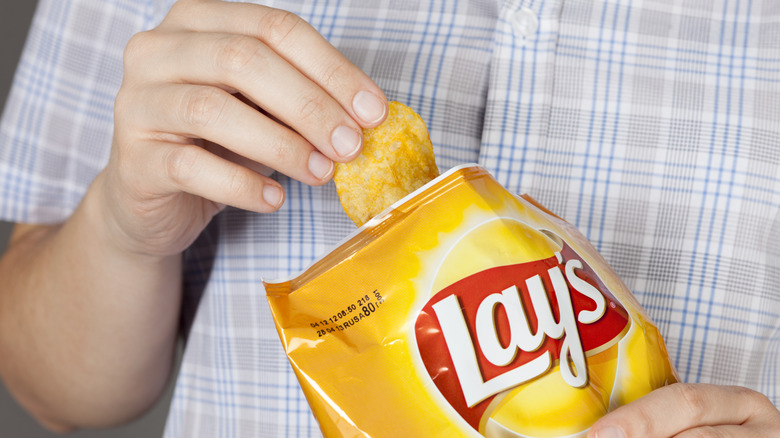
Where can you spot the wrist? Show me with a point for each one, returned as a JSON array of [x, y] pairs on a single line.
[[117, 227]]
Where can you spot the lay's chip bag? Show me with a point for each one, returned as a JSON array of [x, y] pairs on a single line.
[[465, 311]]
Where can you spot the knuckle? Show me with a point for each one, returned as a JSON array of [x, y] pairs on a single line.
[[644, 422], [747, 393], [238, 183], [182, 10], [758, 401], [279, 148], [203, 107], [180, 165], [235, 52], [332, 73], [763, 400], [275, 25], [138, 48], [311, 110], [692, 400], [122, 101], [179, 7]]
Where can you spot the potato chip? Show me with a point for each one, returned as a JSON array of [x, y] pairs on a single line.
[[397, 159]]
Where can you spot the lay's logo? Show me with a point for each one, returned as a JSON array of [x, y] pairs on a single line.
[[508, 325]]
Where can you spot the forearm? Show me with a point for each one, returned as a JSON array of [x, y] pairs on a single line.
[[89, 310], [87, 330]]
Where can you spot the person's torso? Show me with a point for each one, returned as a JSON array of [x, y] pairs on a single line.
[[653, 130]]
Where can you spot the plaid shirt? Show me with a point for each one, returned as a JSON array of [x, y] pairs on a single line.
[[652, 126]]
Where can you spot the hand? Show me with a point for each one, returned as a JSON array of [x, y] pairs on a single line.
[[692, 410], [210, 98]]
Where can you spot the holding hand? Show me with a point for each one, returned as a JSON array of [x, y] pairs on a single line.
[[693, 410], [211, 99]]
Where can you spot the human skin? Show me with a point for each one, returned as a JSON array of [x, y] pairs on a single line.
[[211, 99], [686, 410]]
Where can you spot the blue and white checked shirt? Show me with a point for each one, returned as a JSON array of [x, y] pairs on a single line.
[[653, 126]]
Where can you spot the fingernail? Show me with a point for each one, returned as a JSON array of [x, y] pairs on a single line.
[[368, 107], [345, 141], [272, 194], [611, 432], [320, 165]]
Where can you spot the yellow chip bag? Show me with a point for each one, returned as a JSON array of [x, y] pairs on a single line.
[[397, 159], [465, 311]]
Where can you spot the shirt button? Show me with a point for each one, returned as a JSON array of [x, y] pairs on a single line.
[[525, 22]]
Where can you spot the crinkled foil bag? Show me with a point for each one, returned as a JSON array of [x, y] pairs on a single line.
[[465, 311]]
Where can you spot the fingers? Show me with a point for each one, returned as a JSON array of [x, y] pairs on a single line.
[[195, 111], [242, 63], [194, 170], [677, 408], [295, 41], [259, 83]]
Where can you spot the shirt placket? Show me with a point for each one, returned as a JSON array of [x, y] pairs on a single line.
[[520, 90]]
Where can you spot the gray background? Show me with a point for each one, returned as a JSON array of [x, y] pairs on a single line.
[[15, 16]]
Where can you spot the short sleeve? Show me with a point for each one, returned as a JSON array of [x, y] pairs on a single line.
[[56, 129]]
